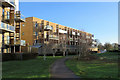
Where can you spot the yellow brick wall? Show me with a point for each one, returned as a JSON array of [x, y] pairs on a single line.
[[28, 31], [0, 13]]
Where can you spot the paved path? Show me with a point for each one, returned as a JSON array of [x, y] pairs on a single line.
[[59, 70]]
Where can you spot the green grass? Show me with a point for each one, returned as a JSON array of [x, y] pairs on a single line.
[[105, 67], [35, 68]]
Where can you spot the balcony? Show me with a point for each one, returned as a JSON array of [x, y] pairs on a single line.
[[76, 39], [73, 33], [62, 31], [54, 37], [21, 42], [19, 17], [88, 37], [6, 18], [7, 42], [8, 3], [78, 34], [17, 35], [47, 28], [71, 39], [6, 27]]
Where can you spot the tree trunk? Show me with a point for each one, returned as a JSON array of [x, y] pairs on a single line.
[[53, 54], [63, 53], [44, 57]]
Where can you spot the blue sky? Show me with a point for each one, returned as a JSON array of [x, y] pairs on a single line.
[[98, 18]]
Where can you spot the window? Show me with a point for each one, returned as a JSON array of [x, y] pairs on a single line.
[[23, 25], [23, 33], [52, 27], [36, 33], [8, 15], [47, 23], [35, 41], [36, 24]]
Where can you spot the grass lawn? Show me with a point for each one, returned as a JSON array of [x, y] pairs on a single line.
[[105, 67], [35, 68]]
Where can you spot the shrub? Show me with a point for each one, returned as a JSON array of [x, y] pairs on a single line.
[[8, 56], [18, 56]]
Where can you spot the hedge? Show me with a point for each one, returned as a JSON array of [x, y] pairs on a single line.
[[18, 56]]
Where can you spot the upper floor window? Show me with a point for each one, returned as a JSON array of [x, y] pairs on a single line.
[[36, 33], [47, 23], [23, 25], [23, 33], [36, 41], [65, 29], [52, 27], [36, 24], [8, 15]]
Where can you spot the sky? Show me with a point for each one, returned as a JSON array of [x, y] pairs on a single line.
[[97, 18]]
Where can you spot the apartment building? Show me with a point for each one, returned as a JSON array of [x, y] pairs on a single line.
[[36, 31], [10, 20]]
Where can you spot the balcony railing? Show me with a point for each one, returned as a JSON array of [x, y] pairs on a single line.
[[7, 27], [73, 33], [53, 37], [19, 17], [6, 17], [20, 42], [8, 3], [62, 31], [71, 39], [88, 37], [78, 34], [47, 27]]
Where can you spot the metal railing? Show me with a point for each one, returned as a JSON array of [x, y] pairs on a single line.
[[6, 26], [47, 27], [19, 15], [71, 39], [53, 37], [62, 31], [21, 42]]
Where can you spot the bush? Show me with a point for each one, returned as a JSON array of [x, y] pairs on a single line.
[[18, 56], [113, 51], [8, 56]]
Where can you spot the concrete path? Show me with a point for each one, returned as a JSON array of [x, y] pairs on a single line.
[[59, 70]]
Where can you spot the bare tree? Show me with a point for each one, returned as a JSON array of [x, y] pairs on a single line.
[[83, 48], [49, 47], [115, 46], [100, 46], [108, 46], [63, 44]]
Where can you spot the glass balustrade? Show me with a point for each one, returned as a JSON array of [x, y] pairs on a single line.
[[48, 27], [7, 27]]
